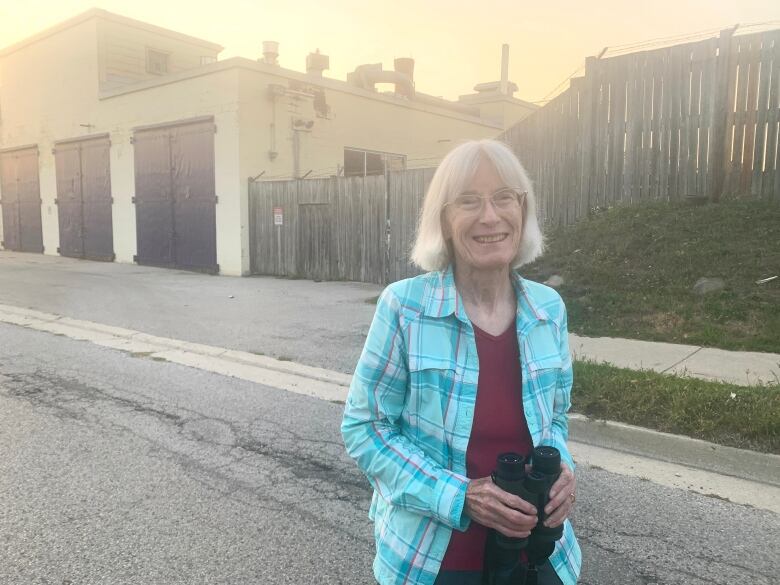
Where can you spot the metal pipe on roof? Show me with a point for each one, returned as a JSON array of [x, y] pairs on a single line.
[[504, 69]]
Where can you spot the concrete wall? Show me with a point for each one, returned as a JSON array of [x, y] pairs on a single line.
[[212, 94], [357, 119], [501, 109]]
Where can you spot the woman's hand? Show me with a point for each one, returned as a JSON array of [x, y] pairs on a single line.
[[561, 498], [491, 506]]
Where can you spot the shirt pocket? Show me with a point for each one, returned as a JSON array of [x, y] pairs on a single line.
[[544, 373], [544, 361], [432, 380]]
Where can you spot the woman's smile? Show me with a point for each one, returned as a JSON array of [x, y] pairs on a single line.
[[492, 239]]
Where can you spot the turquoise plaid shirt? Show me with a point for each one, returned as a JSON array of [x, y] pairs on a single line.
[[410, 408]]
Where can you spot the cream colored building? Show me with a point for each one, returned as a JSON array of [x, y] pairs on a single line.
[[85, 105]]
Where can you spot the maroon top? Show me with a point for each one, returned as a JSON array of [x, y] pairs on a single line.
[[499, 426]]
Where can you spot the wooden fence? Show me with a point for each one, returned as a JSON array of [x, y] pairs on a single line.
[[697, 119], [340, 228]]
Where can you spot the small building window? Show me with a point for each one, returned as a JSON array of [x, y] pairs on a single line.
[[360, 163], [156, 62], [207, 60]]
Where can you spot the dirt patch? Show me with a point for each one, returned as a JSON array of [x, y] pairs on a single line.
[[664, 322]]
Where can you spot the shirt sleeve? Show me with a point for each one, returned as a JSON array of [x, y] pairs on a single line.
[[397, 468], [562, 399]]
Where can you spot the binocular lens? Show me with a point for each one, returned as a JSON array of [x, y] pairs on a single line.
[[511, 466], [547, 460]]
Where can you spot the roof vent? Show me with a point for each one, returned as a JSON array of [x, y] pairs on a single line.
[[271, 52], [317, 63]]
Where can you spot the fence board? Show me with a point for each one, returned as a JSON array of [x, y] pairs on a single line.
[[753, 58], [762, 112], [666, 125], [772, 173]]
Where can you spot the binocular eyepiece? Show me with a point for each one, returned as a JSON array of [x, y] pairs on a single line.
[[534, 487]]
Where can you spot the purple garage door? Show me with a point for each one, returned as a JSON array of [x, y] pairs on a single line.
[[21, 200], [84, 198], [175, 196]]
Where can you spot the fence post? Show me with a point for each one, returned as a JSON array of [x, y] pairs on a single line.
[[720, 111], [588, 107], [252, 226], [387, 227]]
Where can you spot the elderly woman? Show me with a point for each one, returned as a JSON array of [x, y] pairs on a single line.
[[461, 364]]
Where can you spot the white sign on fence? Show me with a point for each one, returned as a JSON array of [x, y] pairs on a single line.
[[278, 216]]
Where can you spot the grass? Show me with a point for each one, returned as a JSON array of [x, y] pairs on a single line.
[[746, 417], [629, 272]]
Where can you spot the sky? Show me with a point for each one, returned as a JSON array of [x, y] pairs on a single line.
[[456, 44]]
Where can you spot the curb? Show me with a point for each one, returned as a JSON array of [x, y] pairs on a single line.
[[333, 386], [293, 377], [742, 463]]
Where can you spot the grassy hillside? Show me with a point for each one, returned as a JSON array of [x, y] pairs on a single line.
[[630, 271]]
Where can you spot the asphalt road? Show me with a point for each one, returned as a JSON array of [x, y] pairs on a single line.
[[120, 470]]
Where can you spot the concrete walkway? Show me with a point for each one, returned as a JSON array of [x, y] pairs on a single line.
[[319, 324], [745, 368]]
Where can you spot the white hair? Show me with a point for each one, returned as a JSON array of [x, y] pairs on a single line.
[[456, 170]]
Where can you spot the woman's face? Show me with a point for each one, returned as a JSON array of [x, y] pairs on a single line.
[[487, 237]]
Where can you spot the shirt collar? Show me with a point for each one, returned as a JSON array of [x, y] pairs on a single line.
[[443, 299]]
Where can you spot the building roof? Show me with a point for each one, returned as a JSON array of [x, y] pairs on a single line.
[[106, 15], [431, 105]]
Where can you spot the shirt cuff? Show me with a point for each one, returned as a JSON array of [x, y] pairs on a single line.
[[451, 499]]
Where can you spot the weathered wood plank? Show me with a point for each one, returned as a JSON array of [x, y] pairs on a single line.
[[754, 64], [772, 172], [740, 115], [762, 111]]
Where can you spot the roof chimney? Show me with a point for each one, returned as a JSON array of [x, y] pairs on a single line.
[[271, 52], [316, 63], [405, 65], [504, 89]]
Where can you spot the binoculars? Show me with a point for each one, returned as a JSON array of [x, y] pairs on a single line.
[[534, 487]]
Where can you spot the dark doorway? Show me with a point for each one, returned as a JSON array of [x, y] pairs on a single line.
[[21, 200], [175, 196], [84, 199]]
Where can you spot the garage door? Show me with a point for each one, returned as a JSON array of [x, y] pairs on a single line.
[[21, 200], [175, 196], [84, 199]]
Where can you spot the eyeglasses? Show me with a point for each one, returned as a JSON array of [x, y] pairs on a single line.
[[503, 199]]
